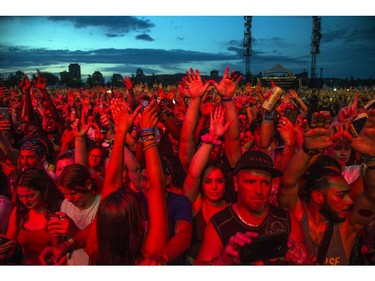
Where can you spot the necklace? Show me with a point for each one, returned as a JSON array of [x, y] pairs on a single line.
[[245, 222]]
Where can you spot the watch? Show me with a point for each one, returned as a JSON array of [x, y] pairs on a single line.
[[311, 152]]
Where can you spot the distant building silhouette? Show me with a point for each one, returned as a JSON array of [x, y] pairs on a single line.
[[75, 71]]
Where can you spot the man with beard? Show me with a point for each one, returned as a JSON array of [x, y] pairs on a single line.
[[328, 215], [234, 227]]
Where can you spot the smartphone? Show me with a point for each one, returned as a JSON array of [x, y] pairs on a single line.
[[358, 123], [264, 248], [291, 114], [4, 113]]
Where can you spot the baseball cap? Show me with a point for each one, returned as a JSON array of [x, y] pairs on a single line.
[[34, 144], [256, 159]]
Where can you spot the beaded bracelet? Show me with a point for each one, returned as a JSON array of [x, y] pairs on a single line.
[[150, 145], [226, 99]]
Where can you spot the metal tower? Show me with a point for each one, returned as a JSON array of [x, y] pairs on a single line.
[[315, 42], [247, 44]]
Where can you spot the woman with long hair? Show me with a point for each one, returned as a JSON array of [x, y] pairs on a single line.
[[130, 241], [37, 198], [206, 183]]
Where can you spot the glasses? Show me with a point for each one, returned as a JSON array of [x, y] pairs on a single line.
[[95, 156]]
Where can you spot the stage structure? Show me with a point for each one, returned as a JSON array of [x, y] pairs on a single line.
[[315, 43], [247, 44]]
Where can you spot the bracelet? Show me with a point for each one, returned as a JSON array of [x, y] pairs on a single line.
[[370, 167], [150, 145], [226, 99], [147, 130], [207, 138], [149, 137]]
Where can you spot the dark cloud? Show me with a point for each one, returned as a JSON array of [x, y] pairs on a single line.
[[23, 57], [111, 35], [115, 24], [144, 37]]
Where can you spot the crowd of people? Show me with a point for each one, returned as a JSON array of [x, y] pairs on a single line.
[[199, 173]]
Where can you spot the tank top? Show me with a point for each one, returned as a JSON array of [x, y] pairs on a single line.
[[227, 224], [32, 243], [335, 254]]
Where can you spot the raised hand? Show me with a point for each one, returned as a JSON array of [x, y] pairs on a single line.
[[228, 83], [365, 142], [317, 134], [349, 112], [193, 81], [183, 89], [217, 127], [25, 84], [80, 127], [149, 117], [128, 83], [40, 82], [122, 118], [286, 129]]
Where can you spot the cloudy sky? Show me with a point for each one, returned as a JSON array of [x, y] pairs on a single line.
[[171, 44]]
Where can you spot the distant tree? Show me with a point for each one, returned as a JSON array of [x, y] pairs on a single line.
[[14, 79], [116, 80], [89, 82], [140, 73], [98, 78]]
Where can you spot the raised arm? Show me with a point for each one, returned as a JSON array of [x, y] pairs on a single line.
[[40, 84], [316, 139], [197, 88], [226, 88], [29, 112], [157, 232], [201, 157], [123, 120]]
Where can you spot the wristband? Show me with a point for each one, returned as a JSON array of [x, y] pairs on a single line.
[[226, 99], [269, 115], [147, 130]]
